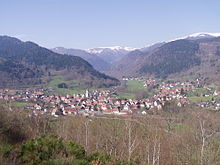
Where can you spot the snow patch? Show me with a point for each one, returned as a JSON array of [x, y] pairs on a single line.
[[99, 50], [195, 36]]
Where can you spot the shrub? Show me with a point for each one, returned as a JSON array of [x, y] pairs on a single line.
[[99, 158], [75, 150], [36, 151]]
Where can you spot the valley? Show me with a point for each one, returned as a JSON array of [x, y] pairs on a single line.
[[165, 96], [169, 113], [94, 82], [136, 96], [195, 55], [182, 71]]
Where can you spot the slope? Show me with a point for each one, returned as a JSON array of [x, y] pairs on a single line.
[[97, 62], [26, 63]]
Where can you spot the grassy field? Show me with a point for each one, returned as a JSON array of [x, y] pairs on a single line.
[[14, 104], [197, 95], [197, 98], [74, 89], [198, 92], [131, 87], [134, 85]]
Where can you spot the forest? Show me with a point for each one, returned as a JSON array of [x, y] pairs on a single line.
[[171, 58], [172, 136], [26, 63]]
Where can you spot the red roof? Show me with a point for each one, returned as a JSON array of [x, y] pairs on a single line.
[[70, 109]]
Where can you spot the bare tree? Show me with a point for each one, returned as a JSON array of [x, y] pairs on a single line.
[[131, 139], [205, 135]]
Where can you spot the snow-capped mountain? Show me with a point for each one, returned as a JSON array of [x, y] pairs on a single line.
[[111, 54], [113, 48], [151, 47], [196, 36], [103, 58], [186, 55], [97, 62]]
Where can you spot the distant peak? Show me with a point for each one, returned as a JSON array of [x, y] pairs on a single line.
[[58, 48], [118, 48], [204, 34], [113, 48], [196, 36]]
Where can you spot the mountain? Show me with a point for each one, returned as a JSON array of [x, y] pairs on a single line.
[[111, 54], [196, 36], [152, 47], [26, 63], [196, 55], [128, 65], [171, 58], [97, 62]]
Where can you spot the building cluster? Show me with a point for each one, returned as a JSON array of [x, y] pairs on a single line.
[[96, 102], [101, 102]]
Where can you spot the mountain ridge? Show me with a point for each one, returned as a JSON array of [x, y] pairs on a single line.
[[183, 57], [97, 62], [141, 61], [111, 54], [28, 57]]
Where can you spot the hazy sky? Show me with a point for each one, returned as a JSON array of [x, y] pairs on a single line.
[[94, 23]]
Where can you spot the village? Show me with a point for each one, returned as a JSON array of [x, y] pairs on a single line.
[[107, 102]]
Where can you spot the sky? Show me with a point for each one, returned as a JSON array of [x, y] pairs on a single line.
[[87, 24]]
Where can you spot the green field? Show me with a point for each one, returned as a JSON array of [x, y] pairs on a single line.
[[197, 95], [74, 86], [197, 98], [200, 91], [14, 104], [134, 85], [132, 88]]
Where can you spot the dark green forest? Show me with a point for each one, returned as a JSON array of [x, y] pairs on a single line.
[[23, 60], [171, 58]]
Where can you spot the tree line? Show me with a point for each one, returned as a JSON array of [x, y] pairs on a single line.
[[186, 136]]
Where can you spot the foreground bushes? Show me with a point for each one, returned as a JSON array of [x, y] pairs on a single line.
[[168, 137], [53, 150], [42, 149]]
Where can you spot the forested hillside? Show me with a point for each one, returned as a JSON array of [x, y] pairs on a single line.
[[26, 63], [197, 58], [171, 58]]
